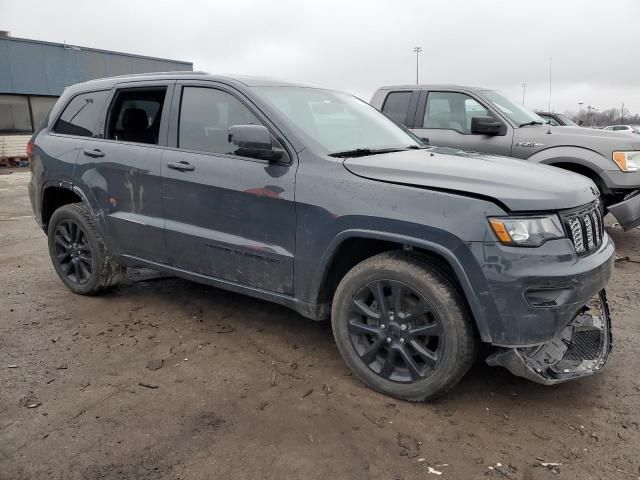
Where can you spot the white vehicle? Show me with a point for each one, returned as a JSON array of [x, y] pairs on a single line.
[[623, 128]]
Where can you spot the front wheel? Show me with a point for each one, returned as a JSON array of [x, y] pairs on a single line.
[[78, 253], [401, 326]]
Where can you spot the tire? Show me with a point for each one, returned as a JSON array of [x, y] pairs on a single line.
[[78, 253], [424, 339]]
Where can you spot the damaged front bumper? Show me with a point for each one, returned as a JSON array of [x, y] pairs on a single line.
[[580, 349], [627, 212]]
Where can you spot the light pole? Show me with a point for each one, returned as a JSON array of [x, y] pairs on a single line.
[[580, 112], [524, 91], [417, 51]]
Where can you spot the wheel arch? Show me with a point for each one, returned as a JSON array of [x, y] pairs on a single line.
[[53, 197], [340, 258], [575, 159]]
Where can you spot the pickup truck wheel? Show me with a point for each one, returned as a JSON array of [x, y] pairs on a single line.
[[78, 253], [402, 327]]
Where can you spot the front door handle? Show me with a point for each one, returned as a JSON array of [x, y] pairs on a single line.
[[181, 166], [95, 153]]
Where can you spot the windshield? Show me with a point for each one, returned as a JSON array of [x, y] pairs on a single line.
[[566, 120], [338, 122], [519, 114]]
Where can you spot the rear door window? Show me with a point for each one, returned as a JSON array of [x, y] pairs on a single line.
[[81, 116], [135, 115], [396, 106]]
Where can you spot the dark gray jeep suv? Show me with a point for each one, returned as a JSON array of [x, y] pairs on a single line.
[[315, 200]]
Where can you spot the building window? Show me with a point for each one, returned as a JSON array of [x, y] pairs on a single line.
[[40, 108], [14, 114]]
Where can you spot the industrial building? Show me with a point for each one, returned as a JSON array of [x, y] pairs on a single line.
[[34, 73]]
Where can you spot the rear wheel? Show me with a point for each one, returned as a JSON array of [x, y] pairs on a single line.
[[78, 253], [401, 326]]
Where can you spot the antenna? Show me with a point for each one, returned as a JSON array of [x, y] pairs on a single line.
[[549, 123]]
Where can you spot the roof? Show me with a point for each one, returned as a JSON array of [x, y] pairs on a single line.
[[249, 81], [423, 86], [33, 67]]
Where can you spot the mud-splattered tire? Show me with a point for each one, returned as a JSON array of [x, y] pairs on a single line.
[[78, 252], [402, 327]]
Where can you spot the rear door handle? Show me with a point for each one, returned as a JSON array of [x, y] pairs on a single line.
[[181, 166], [95, 153]]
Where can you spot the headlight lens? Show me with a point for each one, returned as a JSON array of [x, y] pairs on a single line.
[[627, 161], [526, 231]]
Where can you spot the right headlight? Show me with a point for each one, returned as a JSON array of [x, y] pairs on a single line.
[[627, 161], [526, 231]]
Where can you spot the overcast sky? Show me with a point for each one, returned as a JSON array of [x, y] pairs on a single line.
[[359, 45]]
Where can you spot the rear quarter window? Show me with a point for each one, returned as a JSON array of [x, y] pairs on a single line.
[[81, 116]]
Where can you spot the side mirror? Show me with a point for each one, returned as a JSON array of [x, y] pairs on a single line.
[[254, 141], [486, 126]]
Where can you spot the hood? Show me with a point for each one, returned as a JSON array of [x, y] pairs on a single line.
[[520, 185], [602, 141]]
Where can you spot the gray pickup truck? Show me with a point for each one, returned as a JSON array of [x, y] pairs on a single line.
[[482, 120]]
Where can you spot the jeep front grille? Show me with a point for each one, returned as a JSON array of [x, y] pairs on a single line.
[[585, 228]]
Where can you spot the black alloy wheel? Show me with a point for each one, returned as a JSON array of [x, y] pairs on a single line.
[[395, 331], [402, 326], [73, 252], [78, 253]]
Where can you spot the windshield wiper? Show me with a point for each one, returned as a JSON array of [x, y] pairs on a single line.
[[363, 152], [532, 122]]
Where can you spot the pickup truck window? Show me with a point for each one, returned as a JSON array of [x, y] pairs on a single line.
[[451, 111], [80, 117], [336, 121], [205, 116], [567, 121], [396, 106]]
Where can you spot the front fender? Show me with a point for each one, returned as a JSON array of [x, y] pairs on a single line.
[[458, 255], [576, 155]]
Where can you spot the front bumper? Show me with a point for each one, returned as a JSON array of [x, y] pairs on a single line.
[[580, 349], [627, 212], [531, 294]]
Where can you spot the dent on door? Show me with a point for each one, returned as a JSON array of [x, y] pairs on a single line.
[[231, 219]]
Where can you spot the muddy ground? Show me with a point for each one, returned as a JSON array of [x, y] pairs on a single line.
[[167, 379]]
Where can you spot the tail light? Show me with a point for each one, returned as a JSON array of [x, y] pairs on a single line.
[[29, 149]]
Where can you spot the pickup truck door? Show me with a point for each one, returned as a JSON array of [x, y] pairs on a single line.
[[444, 118], [226, 216]]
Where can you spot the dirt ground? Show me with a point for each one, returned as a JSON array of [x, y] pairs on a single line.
[[167, 379]]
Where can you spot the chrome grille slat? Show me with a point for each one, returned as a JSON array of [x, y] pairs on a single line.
[[586, 218], [596, 223], [585, 228]]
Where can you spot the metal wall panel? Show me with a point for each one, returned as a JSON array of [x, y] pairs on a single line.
[[42, 68]]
